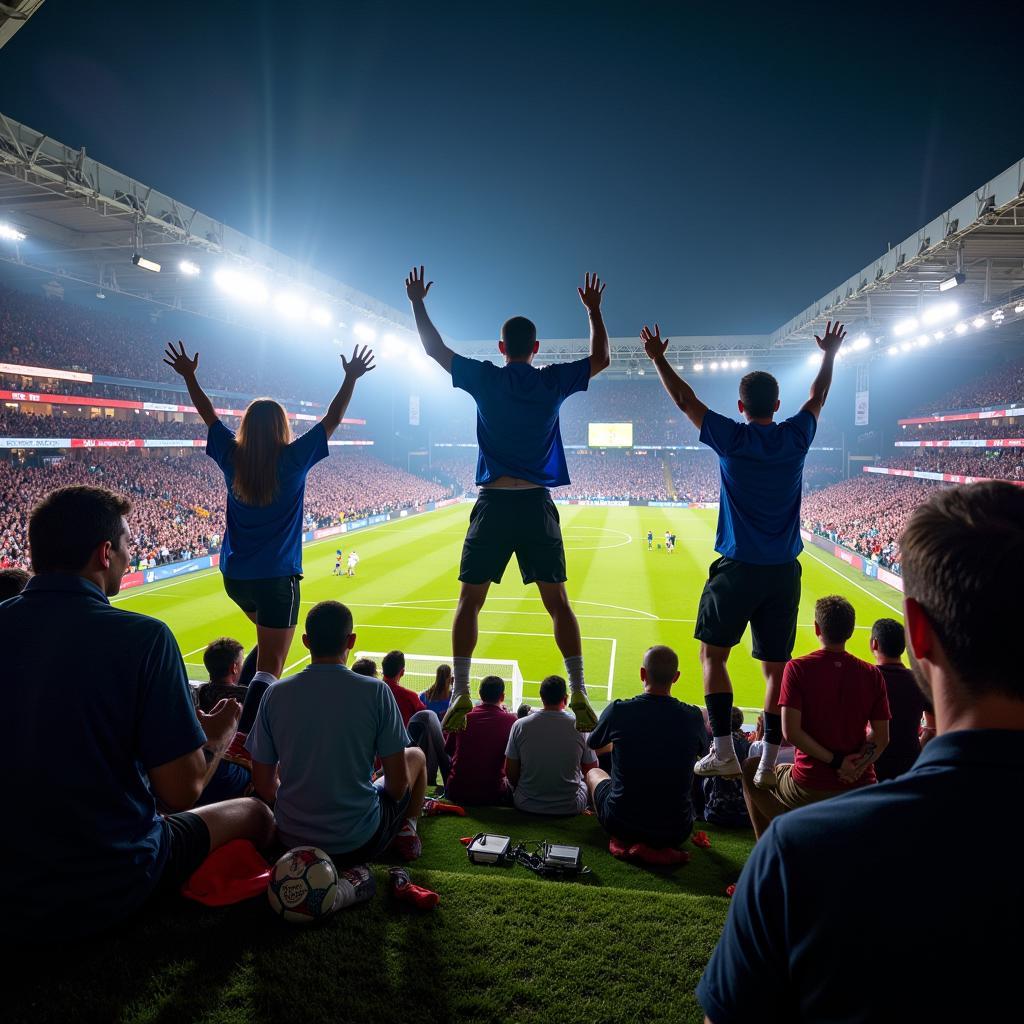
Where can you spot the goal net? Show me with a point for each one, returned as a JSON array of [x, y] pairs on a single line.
[[421, 670]]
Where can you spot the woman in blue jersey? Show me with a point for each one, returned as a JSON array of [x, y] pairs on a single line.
[[265, 472]]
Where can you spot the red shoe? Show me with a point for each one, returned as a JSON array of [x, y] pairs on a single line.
[[432, 807], [701, 839], [406, 845], [466, 840], [729, 890], [661, 857], [403, 889], [618, 849]]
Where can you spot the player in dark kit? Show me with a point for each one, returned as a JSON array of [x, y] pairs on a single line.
[[521, 457], [756, 581]]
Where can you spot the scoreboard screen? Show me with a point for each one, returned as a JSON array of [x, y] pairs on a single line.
[[610, 435]]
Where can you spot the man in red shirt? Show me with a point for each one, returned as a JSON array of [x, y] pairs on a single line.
[[834, 711], [423, 726], [477, 774]]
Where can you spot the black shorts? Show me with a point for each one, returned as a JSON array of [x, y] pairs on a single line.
[[189, 841], [523, 522], [767, 597], [628, 834], [392, 818], [275, 602]]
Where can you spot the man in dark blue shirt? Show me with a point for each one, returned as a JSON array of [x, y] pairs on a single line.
[[756, 581], [521, 457], [101, 727], [870, 906]]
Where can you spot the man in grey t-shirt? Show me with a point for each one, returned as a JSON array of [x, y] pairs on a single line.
[[546, 758]]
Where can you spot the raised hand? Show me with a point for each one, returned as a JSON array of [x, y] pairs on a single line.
[[833, 339], [360, 363], [591, 292], [415, 287], [179, 361], [654, 346]]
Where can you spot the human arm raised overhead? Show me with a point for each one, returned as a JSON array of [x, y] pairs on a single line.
[[829, 345], [590, 295], [416, 287], [360, 363], [185, 366], [678, 390]]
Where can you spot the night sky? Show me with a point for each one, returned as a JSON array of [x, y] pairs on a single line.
[[722, 168]]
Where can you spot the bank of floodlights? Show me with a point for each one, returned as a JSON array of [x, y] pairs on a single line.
[[9, 233]]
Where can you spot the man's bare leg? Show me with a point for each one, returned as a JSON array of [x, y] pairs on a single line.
[[718, 698], [567, 637], [761, 806], [465, 632]]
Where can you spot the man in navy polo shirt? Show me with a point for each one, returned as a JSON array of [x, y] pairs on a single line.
[[875, 905], [101, 726], [756, 581], [521, 457]]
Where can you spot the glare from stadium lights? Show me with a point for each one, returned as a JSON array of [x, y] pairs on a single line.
[[743, 364], [364, 332], [640, 372], [320, 316], [997, 316], [893, 350], [241, 286], [290, 305], [735, 364], [10, 233], [698, 367], [906, 346], [861, 343], [144, 264], [979, 322], [1019, 308], [939, 335], [391, 346], [188, 268], [923, 340], [905, 326], [952, 282], [814, 358], [713, 367], [961, 328], [940, 312]]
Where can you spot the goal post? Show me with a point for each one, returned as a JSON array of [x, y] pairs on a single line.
[[421, 670]]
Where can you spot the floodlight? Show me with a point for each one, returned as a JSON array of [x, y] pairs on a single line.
[[814, 358], [1019, 308], [714, 366], [861, 343], [698, 367], [952, 282], [189, 268], [893, 350], [241, 286], [364, 332], [320, 316], [743, 364], [979, 322], [144, 264], [961, 328], [937, 313], [997, 316], [923, 340], [939, 335], [905, 326], [735, 364], [290, 305], [10, 233], [906, 346], [641, 372]]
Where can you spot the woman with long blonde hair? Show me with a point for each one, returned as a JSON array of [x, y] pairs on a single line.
[[265, 472]]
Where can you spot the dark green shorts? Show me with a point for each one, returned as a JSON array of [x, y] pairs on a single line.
[[523, 523], [765, 597]]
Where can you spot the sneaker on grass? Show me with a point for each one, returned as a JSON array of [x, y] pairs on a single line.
[[407, 844]]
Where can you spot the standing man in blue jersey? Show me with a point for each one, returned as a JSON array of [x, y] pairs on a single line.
[[756, 581], [521, 457]]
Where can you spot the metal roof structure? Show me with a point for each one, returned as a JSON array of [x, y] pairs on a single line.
[[14, 14]]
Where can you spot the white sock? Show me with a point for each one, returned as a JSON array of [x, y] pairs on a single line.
[[410, 823], [769, 755], [264, 677], [460, 683], [574, 670], [724, 749]]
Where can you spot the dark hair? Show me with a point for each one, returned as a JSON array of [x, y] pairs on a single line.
[[69, 524], [12, 582], [835, 618], [662, 664], [519, 335], [759, 391], [328, 627], [492, 689], [365, 667], [523, 710], [210, 693], [963, 559], [442, 687], [737, 718], [391, 664], [220, 657], [553, 690], [890, 637]]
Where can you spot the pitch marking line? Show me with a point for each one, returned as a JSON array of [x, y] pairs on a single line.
[[898, 611]]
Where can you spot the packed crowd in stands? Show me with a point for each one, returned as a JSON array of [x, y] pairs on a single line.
[[615, 477], [1002, 386], [996, 463], [21, 424], [961, 429]]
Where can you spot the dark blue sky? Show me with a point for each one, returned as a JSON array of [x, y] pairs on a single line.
[[721, 168]]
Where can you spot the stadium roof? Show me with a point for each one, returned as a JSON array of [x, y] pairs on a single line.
[[83, 222], [13, 15]]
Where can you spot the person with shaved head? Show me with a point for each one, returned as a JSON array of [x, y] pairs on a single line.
[[645, 804]]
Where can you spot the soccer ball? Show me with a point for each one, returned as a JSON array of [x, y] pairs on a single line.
[[303, 886]]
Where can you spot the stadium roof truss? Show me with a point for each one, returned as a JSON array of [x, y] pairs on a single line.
[[982, 237], [84, 222]]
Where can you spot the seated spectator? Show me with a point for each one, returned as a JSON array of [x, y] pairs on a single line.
[[656, 740], [109, 692], [794, 945], [907, 704], [439, 696], [12, 582], [723, 796], [423, 725], [365, 667], [477, 773], [546, 758], [313, 748], [834, 711]]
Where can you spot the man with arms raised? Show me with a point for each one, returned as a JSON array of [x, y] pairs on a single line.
[[521, 457], [101, 726], [885, 878], [756, 579]]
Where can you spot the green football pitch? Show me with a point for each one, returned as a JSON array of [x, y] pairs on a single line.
[[625, 596]]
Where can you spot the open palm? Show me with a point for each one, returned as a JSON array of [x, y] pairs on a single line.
[[654, 346], [360, 363], [179, 361]]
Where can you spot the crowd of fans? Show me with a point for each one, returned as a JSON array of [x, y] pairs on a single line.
[[22, 424], [996, 463], [961, 430], [615, 476], [1001, 386]]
